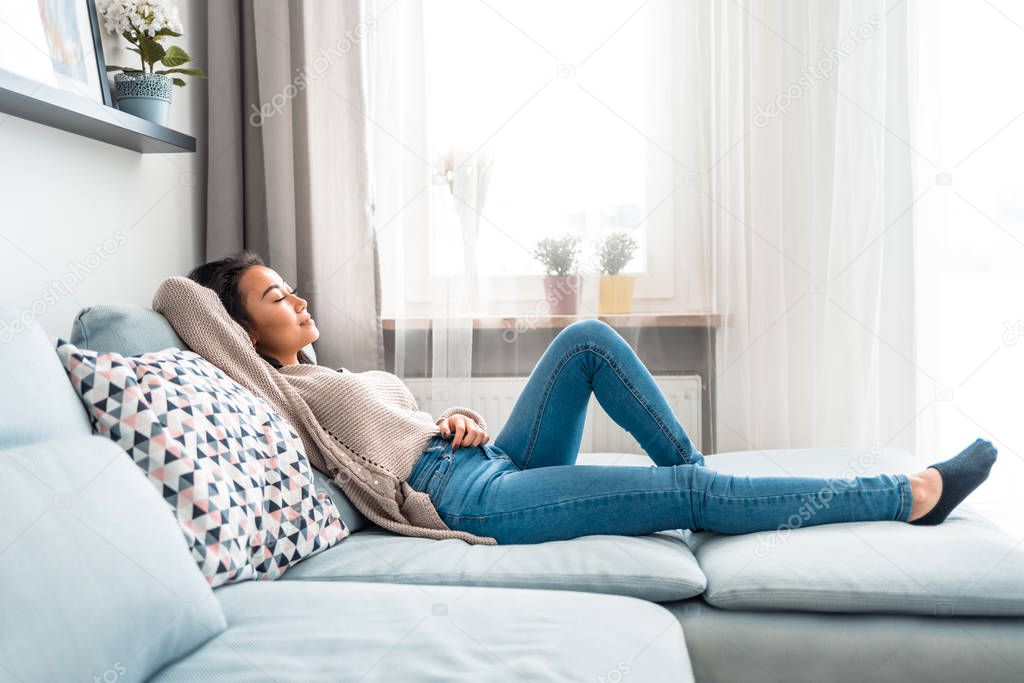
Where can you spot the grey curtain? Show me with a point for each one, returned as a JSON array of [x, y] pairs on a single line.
[[288, 172]]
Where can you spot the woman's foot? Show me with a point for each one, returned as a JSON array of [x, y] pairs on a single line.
[[926, 487], [944, 485]]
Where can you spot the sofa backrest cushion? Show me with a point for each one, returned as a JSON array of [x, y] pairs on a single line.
[[37, 402], [97, 580], [123, 328], [129, 330], [353, 518]]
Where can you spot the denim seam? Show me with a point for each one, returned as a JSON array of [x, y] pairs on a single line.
[[443, 484], [415, 483], [447, 478], [705, 493], [576, 350], [572, 500], [429, 483], [646, 406], [905, 493], [800, 493], [535, 431], [422, 476]]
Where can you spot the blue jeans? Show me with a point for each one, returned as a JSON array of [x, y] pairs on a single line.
[[524, 487]]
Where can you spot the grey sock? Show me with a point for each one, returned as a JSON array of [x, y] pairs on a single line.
[[960, 475]]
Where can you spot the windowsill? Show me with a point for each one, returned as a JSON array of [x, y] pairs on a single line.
[[558, 321]]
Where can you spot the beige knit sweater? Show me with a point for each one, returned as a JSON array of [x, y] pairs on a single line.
[[363, 429]]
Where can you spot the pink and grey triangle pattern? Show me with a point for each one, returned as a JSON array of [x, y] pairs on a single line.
[[234, 471]]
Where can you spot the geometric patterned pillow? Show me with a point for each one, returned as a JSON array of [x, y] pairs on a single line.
[[233, 470]]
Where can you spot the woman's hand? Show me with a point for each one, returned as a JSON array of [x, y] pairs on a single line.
[[466, 431]]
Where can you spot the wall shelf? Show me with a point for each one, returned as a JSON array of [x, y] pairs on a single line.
[[77, 114]]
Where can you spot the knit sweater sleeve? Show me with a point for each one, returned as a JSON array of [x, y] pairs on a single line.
[[463, 411], [198, 316]]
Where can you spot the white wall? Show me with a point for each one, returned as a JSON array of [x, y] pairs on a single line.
[[62, 195]]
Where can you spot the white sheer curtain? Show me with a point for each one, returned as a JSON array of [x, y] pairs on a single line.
[[792, 221], [969, 130], [809, 208], [413, 210]]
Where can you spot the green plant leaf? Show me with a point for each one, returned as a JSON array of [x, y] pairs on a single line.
[[166, 32], [616, 251], [558, 255], [152, 51], [187, 72], [178, 81], [175, 56]]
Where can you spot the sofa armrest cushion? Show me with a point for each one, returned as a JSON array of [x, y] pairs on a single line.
[[96, 574]]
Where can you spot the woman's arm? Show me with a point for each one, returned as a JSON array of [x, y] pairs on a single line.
[[198, 316]]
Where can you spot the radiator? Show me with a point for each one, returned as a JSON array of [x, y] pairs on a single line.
[[493, 398]]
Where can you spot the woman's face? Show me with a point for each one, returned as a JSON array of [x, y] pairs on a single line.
[[281, 326]]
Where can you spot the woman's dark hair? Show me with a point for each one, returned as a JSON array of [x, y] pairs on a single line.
[[222, 277]]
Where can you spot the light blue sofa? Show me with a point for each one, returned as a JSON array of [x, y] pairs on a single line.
[[99, 583]]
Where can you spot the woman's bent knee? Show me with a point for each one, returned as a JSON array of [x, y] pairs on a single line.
[[587, 330]]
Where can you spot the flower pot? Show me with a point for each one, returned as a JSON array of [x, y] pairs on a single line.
[[145, 95], [616, 293], [561, 293]]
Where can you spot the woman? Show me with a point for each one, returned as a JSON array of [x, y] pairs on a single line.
[[524, 487]]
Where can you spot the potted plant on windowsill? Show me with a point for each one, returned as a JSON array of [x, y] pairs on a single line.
[[562, 282], [146, 91], [616, 290]]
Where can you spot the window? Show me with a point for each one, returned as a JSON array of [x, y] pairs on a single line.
[[971, 238], [564, 97]]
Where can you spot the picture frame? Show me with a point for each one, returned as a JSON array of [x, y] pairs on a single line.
[[54, 44]]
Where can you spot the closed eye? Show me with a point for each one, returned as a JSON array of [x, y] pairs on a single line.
[[294, 292]]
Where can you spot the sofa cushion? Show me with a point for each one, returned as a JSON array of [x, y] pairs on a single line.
[[123, 328], [298, 631], [129, 330], [964, 566], [37, 402], [353, 518], [658, 567], [95, 574], [233, 470]]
